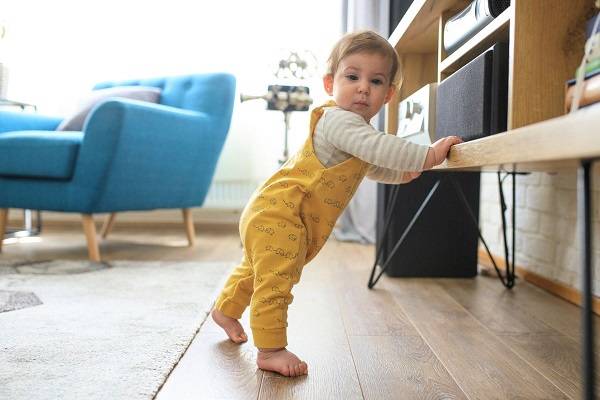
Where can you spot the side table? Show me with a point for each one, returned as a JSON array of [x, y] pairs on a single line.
[[12, 103], [27, 229]]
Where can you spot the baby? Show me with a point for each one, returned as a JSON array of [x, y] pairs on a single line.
[[289, 218]]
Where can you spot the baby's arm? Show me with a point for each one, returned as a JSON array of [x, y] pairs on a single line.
[[386, 175], [435, 155], [350, 133]]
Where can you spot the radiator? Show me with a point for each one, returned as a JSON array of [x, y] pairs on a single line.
[[230, 194], [3, 80]]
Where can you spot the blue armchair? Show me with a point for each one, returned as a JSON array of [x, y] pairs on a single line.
[[131, 155]]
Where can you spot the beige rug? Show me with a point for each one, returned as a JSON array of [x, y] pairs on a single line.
[[81, 330]]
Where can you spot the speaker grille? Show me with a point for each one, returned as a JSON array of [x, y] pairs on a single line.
[[472, 102], [463, 100]]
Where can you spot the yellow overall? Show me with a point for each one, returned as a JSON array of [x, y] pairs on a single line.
[[283, 227]]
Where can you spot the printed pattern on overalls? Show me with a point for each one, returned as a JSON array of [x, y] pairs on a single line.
[[283, 227]]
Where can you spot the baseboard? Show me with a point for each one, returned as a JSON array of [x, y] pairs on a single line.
[[202, 216], [559, 289]]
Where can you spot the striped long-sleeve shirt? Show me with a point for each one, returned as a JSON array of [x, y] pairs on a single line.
[[341, 134]]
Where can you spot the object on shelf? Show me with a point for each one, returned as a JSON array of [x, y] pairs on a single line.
[[590, 92], [464, 25], [416, 116], [585, 88], [472, 102]]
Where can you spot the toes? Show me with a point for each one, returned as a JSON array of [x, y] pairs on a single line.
[[239, 337], [285, 364], [242, 338], [303, 368]]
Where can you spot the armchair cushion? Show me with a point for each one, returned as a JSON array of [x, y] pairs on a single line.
[[141, 93], [11, 121], [39, 154]]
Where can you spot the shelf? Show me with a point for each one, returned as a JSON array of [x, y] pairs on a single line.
[[552, 145], [496, 30], [418, 30]]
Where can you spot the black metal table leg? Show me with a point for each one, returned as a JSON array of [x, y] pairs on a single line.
[[584, 206], [510, 279], [372, 279]]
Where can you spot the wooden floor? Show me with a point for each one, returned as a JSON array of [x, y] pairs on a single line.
[[406, 339]]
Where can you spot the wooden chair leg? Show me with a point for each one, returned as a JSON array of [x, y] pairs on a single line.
[[108, 225], [3, 222], [90, 235], [188, 221]]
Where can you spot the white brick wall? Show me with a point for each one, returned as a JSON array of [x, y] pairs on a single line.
[[547, 233]]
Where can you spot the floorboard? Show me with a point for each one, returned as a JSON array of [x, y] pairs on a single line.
[[390, 355], [480, 363], [554, 354]]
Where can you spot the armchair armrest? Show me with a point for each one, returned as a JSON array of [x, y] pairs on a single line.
[[23, 121], [138, 155]]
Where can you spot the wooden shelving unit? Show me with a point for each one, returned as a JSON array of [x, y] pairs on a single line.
[[545, 46]]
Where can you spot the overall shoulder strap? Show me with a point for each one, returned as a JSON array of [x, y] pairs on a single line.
[[317, 113]]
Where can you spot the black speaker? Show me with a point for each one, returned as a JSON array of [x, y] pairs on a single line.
[[473, 102], [443, 240]]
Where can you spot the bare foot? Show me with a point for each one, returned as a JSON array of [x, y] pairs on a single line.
[[231, 326], [281, 361]]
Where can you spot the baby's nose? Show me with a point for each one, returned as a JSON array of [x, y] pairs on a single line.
[[363, 88]]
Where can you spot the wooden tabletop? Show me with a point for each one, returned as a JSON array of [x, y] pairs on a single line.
[[552, 145]]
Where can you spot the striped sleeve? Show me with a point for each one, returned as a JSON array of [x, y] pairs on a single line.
[[350, 133], [385, 175]]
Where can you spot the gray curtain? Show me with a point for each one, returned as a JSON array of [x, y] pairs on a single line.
[[357, 222]]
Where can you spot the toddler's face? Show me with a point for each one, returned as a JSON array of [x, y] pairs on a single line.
[[361, 83]]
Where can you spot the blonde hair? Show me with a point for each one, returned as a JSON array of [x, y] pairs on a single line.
[[365, 41]]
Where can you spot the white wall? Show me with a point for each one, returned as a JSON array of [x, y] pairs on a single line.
[[56, 50], [547, 237]]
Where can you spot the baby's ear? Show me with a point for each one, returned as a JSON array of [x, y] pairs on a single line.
[[328, 84], [390, 93]]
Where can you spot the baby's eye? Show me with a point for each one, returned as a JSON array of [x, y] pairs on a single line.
[[352, 77], [377, 81]]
